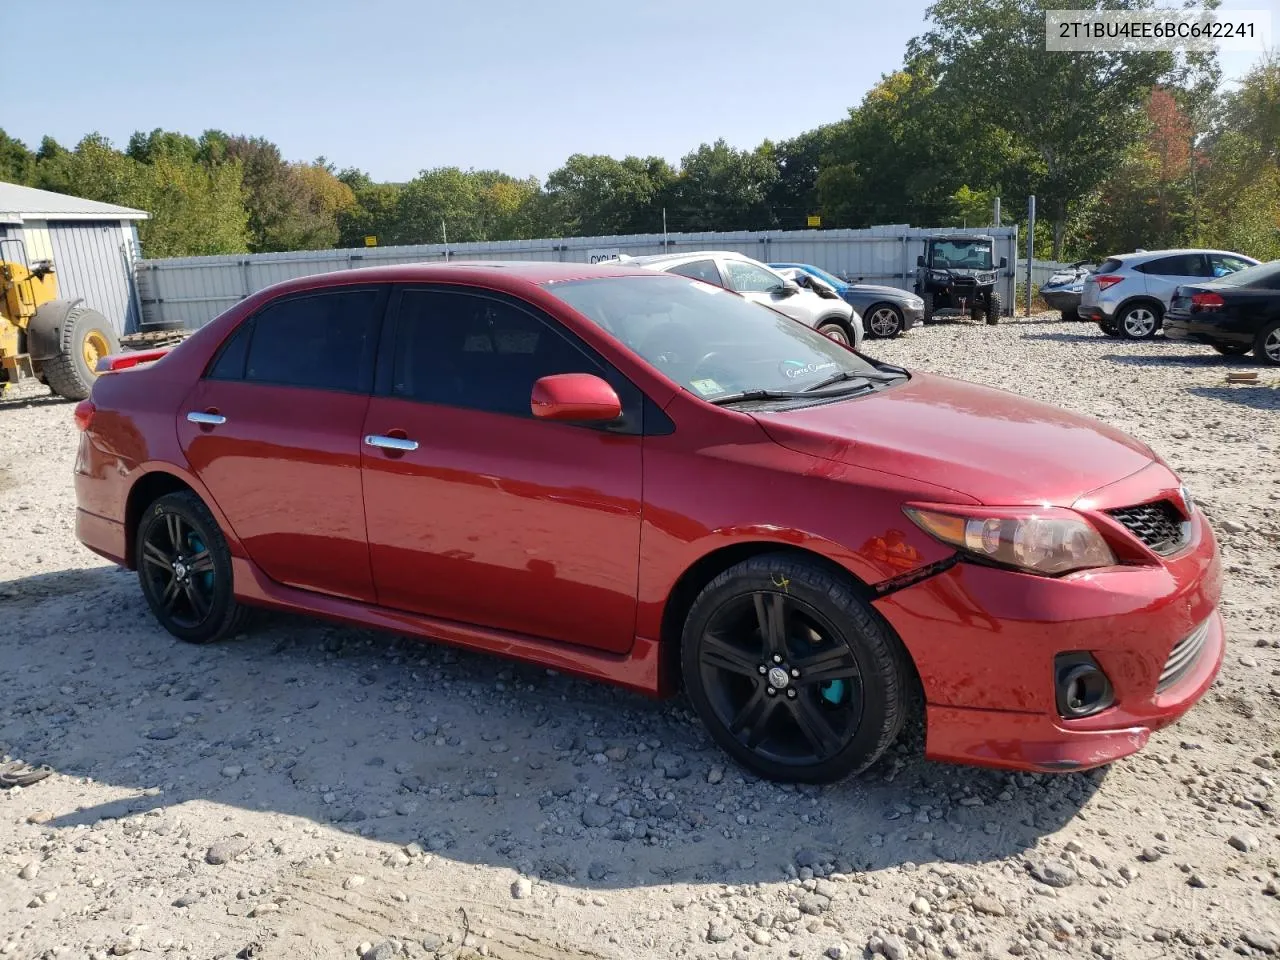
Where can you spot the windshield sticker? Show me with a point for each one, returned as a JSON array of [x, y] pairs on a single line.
[[707, 387], [796, 369]]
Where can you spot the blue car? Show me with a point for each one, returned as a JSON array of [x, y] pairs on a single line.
[[886, 311]]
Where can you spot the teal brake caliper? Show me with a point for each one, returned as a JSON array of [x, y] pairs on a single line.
[[206, 579], [832, 691]]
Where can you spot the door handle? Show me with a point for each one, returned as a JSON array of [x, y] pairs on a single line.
[[206, 419], [390, 443]]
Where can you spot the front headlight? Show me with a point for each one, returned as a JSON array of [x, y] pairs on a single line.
[[1047, 541], [937, 275]]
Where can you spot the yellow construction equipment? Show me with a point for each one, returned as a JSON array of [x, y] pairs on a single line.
[[57, 342]]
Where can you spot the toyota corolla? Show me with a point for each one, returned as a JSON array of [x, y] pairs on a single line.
[[647, 480]]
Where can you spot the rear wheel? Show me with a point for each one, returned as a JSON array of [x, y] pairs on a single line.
[[791, 672], [884, 320], [1069, 315], [928, 306], [1231, 349], [1266, 346], [184, 568], [836, 331], [84, 339], [1138, 322]]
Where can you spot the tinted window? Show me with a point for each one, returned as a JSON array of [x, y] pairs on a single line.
[[747, 277], [1180, 265], [229, 364], [470, 351], [325, 341], [700, 270], [1107, 266]]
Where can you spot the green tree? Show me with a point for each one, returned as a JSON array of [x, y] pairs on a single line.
[[721, 188], [17, 163], [601, 196], [1075, 114], [794, 194]]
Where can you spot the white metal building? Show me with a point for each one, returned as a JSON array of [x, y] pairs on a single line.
[[93, 247]]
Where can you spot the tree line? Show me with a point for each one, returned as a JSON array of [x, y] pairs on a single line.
[[1121, 150]]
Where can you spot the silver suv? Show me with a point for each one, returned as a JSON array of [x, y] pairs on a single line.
[[1128, 295], [757, 282]]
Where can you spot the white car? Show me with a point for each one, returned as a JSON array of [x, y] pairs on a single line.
[[754, 281]]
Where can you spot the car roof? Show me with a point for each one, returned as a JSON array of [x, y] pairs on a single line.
[[510, 275], [688, 255], [962, 236], [1142, 255]]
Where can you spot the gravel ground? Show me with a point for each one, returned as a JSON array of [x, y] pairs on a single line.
[[311, 791]]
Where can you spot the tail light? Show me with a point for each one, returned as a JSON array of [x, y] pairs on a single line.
[[1206, 301], [1107, 280], [123, 361], [84, 414]]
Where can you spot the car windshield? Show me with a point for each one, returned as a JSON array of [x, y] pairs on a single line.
[[1258, 276], [961, 254], [709, 340]]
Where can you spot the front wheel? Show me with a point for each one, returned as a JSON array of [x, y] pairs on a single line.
[[928, 307], [884, 321], [1266, 346], [184, 568], [994, 309], [791, 672], [835, 331]]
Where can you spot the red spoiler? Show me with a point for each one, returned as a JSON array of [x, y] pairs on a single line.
[[123, 361]]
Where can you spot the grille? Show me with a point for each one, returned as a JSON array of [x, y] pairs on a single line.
[[1183, 657], [1159, 525]]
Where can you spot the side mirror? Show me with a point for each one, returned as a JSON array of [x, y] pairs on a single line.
[[579, 397], [1004, 262], [920, 260], [789, 288]]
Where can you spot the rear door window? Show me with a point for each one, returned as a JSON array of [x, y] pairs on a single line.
[[321, 341], [1178, 265]]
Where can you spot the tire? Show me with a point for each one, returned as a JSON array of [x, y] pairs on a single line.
[[1266, 345], [1232, 349], [1108, 329], [837, 331], [1069, 315], [994, 308], [84, 338], [883, 321], [197, 606], [853, 703], [1138, 321], [928, 307]]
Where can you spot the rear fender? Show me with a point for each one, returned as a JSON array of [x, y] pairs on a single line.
[[131, 513], [44, 330]]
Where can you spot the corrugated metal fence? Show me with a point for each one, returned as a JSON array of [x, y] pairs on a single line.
[[188, 292]]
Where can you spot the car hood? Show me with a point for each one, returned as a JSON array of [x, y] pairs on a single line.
[[876, 290], [987, 444]]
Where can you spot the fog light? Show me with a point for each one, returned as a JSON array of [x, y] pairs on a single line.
[[1082, 688]]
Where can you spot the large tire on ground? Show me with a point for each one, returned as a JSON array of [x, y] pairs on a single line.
[[791, 671], [883, 321], [184, 568], [928, 306], [835, 330], [85, 337], [1138, 321], [1266, 345], [994, 307]]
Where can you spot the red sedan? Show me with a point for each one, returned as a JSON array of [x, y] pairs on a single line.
[[644, 479]]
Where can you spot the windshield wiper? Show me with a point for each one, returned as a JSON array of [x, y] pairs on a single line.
[[748, 395], [842, 377]]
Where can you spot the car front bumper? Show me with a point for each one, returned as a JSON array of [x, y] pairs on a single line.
[[911, 316], [984, 642]]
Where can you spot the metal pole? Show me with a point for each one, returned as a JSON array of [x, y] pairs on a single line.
[[664, 229], [444, 234], [1031, 244], [995, 214]]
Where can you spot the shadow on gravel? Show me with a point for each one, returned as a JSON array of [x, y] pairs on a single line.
[[23, 402], [479, 759], [1067, 337], [1259, 397], [1180, 360]]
